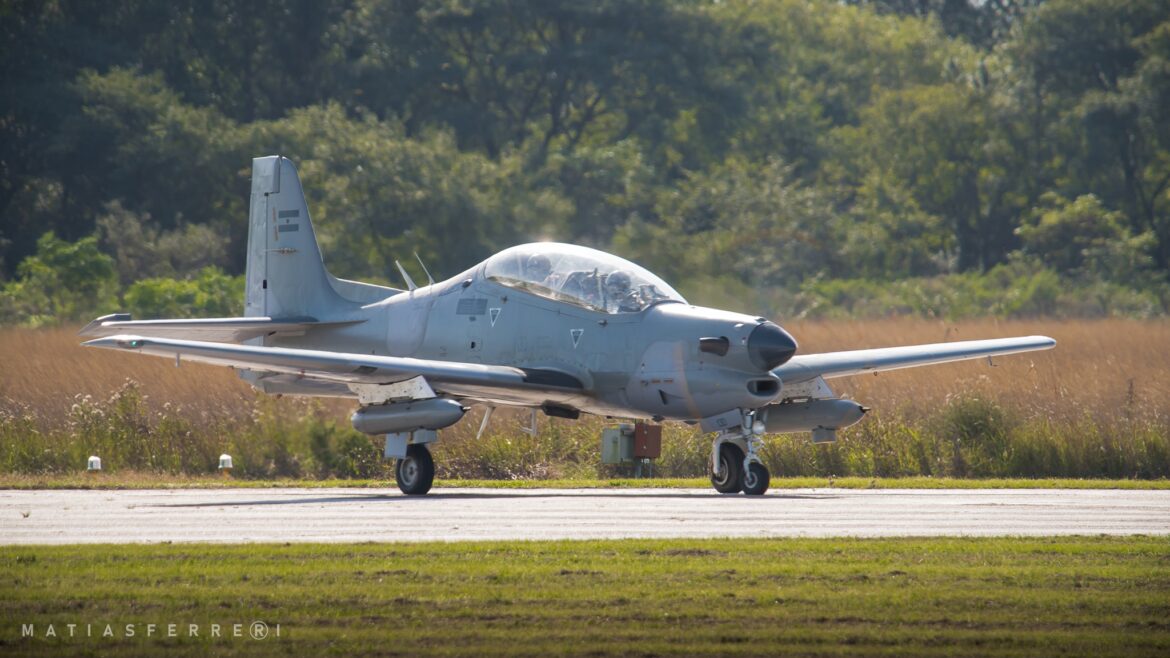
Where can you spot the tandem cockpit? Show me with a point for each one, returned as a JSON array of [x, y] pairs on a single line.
[[581, 276]]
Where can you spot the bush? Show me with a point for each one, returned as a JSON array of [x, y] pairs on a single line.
[[1018, 289], [343, 452], [210, 294], [970, 436], [63, 281], [978, 430]]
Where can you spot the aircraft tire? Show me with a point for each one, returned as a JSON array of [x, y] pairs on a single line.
[[756, 480], [416, 472], [731, 466]]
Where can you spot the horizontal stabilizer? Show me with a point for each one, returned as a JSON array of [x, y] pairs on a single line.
[[218, 330], [842, 364]]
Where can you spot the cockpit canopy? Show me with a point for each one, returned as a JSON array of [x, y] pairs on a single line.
[[579, 275]]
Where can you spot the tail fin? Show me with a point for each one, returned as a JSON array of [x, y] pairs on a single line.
[[286, 277]]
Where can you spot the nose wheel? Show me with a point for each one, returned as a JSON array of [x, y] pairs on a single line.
[[756, 479], [735, 466], [727, 477]]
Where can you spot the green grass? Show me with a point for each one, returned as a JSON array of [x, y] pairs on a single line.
[[824, 597], [134, 480]]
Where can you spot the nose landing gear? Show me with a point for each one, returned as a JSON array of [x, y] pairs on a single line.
[[735, 464], [756, 479], [727, 474]]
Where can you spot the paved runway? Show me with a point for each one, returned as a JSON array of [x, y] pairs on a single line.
[[353, 515]]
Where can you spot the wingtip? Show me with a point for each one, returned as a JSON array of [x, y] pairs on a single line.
[[95, 326], [116, 342]]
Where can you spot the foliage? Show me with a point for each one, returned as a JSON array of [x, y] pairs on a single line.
[[382, 196], [142, 250], [129, 434], [62, 282], [970, 437], [1021, 288], [1083, 237], [211, 294]]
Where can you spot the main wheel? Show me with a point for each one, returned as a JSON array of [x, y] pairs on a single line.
[[730, 477], [755, 481], [416, 472]]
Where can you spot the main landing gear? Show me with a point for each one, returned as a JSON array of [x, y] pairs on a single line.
[[416, 472], [735, 465]]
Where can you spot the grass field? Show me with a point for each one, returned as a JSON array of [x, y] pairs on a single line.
[[848, 597], [1098, 406]]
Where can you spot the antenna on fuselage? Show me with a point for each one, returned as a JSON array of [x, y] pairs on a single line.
[[430, 279], [410, 285]]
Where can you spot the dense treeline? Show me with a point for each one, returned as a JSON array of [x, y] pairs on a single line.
[[866, 157]]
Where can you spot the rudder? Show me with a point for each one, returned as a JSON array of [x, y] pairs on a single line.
[[286, 276]]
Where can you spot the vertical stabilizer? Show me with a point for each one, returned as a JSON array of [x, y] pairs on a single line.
[[286, 277]]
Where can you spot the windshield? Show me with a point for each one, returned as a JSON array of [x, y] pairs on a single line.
[[579, 275]]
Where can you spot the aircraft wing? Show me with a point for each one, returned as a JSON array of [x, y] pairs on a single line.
[[842, 364], [342, 367], [228, 330]]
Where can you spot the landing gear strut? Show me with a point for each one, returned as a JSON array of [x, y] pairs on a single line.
[[735, 464]]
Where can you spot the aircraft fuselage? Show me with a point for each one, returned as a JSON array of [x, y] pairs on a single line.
[[647, 364]]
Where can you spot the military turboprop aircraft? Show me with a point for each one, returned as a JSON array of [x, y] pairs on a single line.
[[555, 327]]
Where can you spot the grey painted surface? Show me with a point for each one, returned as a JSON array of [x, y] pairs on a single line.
[[352, 515]]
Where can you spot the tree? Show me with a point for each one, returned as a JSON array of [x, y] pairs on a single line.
[[1082, 237], [376, 195], [737, 229], [63, 281], [1098, 72], [983, 23], [141, 250], [210, 294], [143, 146], [1130, 128], [920, 150], [561, 73]]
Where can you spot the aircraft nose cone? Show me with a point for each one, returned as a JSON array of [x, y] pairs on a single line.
[[770, 346]]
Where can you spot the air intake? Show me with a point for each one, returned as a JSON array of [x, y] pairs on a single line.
[[717, 346]]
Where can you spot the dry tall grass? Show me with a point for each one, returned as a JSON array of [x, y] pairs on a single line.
[[1100, 367], [45, 372], [1104, 389], [1105, 368]]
